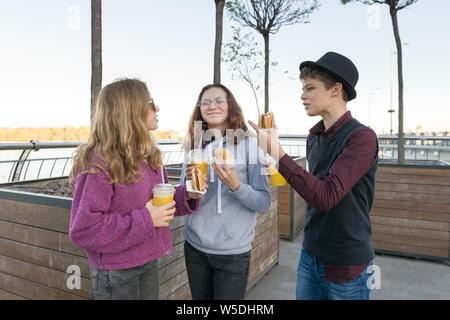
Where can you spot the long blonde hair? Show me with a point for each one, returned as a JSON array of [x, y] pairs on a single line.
[[119, 135]]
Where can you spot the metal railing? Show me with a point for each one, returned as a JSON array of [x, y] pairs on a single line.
[[417, 148], [19, 174], [294, 144], [23, 168]]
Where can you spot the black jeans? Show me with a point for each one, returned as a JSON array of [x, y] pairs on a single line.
[[216, 276]]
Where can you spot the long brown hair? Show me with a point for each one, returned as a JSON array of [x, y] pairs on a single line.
[[119, 135], [235, 118]]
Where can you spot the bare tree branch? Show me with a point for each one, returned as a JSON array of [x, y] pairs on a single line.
[[244, 61], [394, 7], [405, 4], [397, 4], [267, 17]]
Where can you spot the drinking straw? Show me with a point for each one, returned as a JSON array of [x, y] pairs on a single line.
[[162, 175], [200, 142]]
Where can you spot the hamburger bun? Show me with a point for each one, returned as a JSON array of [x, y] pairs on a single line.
[[266, 120], [198, 180], [222, 154]]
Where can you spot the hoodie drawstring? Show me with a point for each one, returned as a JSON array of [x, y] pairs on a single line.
[[183, 169], [212, 178], [219, 196], [210, 158]]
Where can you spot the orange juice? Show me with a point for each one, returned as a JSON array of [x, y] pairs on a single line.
[[197, 157], [203, 167], [276, 179], [163, 194], [159, 201]]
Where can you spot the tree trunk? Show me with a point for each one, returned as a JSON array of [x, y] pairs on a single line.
[[398, 42], [266, 72], [96, 52], [218, 43], [255, 94]]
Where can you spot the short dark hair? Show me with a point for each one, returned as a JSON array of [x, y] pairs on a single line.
[[322, 75]]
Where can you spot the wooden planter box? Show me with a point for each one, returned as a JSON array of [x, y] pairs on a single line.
[[292, 209], [35, 250], [411, 213], [265, 247]]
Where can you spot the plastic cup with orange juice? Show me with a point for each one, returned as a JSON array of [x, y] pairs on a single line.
[[197, 157], [163, 194], [276, 179]]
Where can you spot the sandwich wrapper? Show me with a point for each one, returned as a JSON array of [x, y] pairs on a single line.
[[190, 189]]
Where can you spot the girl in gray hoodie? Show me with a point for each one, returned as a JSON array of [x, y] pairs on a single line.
[[219, 236]]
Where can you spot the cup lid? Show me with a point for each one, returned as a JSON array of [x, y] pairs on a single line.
[[164, 186]]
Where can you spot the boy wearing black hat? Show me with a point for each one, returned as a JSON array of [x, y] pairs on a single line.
[[337, 255]]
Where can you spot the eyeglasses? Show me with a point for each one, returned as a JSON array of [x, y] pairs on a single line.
[[218, 102], [152, 105]]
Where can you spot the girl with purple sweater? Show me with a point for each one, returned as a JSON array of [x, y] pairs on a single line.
[[113, 216]]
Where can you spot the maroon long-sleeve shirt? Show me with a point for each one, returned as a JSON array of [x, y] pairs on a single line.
[[349, 167]]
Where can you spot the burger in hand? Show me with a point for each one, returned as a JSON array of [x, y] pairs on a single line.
[[222, 154], [266, 120], [198, 180]]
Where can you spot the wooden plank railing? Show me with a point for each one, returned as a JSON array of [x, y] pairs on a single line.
[[35, 252], [411, 213], [292, 209]]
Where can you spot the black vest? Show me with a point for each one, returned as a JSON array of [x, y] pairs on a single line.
[[341, 235]]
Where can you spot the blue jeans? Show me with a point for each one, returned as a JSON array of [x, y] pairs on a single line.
[[312, 284]]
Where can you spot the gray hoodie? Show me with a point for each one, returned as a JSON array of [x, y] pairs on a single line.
[[225, 222]]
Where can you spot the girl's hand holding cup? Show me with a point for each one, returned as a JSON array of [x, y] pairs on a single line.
[[162, 207], [163, 215]]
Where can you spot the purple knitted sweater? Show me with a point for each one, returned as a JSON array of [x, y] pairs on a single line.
[[112, 223]]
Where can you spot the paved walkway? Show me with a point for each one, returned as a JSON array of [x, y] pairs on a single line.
[[401, 278]]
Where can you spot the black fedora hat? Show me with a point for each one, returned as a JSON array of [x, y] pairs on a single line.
[[340, 68]]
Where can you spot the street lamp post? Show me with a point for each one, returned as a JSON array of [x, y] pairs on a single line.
[[391, 111], [372, 91], [393, 53]]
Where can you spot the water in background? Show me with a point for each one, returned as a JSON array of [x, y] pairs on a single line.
[[38, 168]]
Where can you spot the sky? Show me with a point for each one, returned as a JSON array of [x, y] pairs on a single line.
[[45, 60]]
